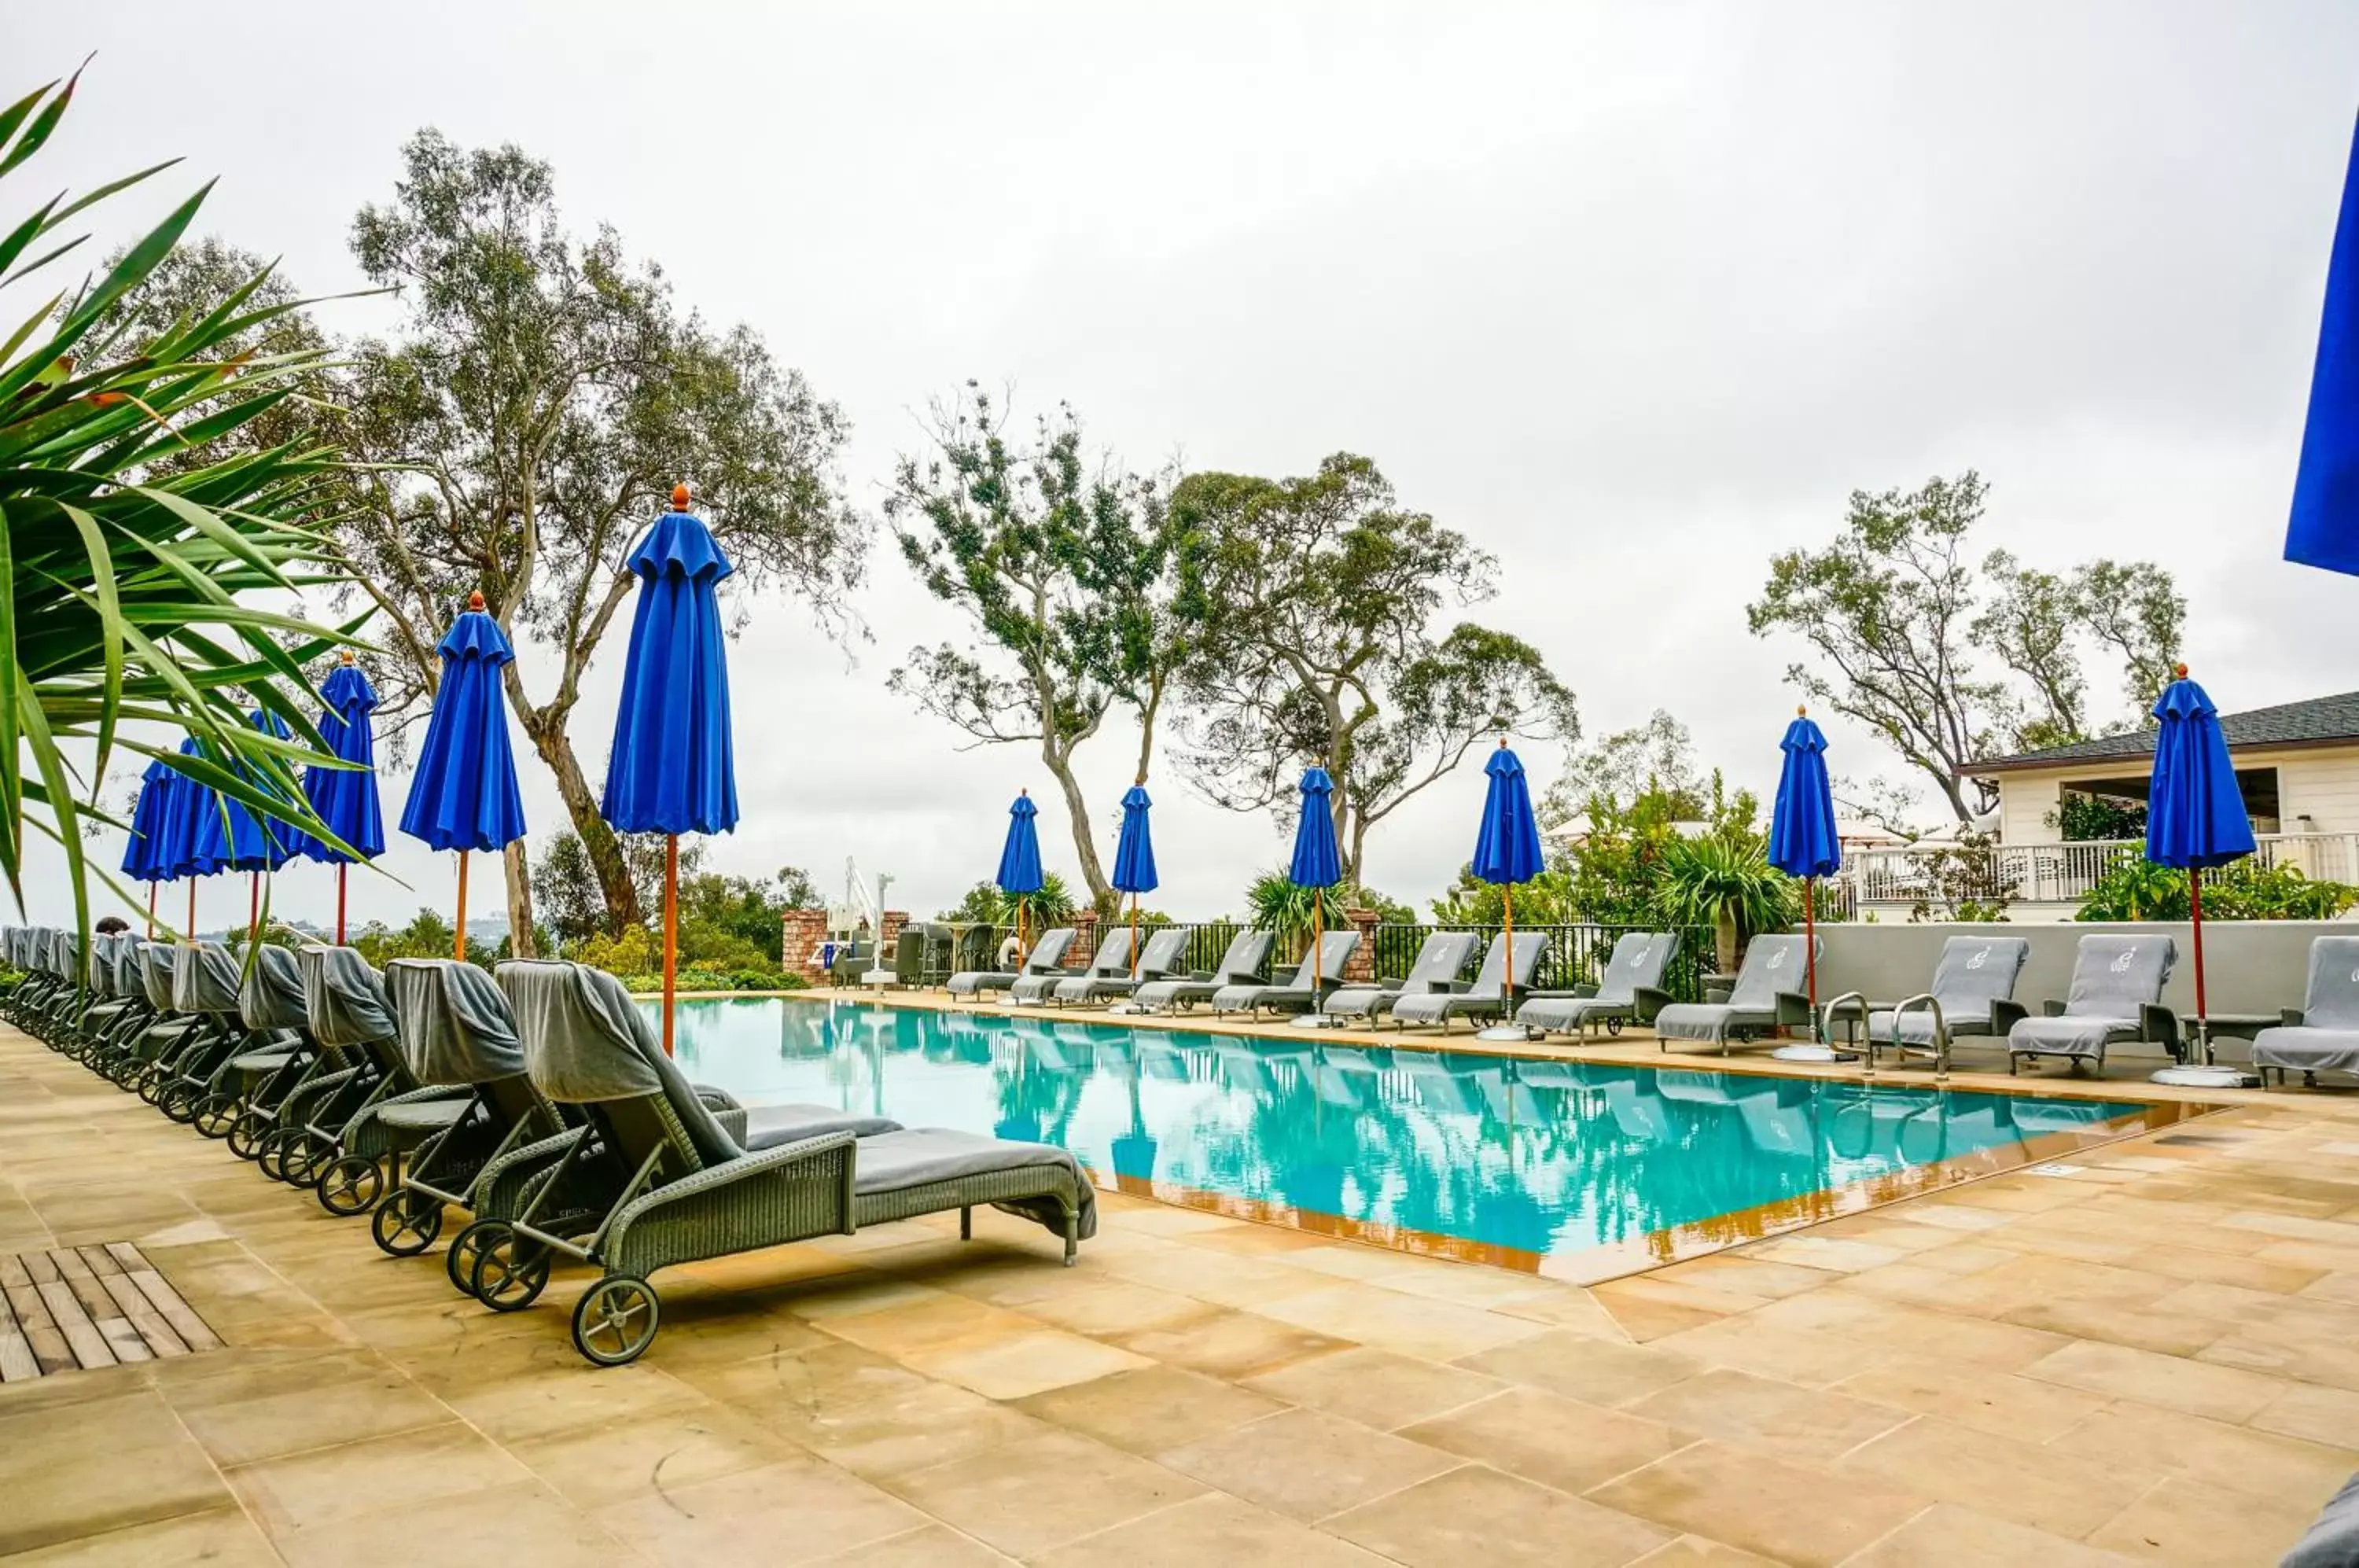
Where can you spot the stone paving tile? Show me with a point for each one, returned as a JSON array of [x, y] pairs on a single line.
[[1213, 1528], [1476, 1514], [1307, 1464], [1376, 1387]]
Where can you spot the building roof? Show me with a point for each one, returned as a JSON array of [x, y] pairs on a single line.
[[2321, 721]]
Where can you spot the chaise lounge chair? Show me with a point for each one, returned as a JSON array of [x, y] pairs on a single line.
[[1241, 965], [1162, 953], [1048, 956], [2115, 996], [2322, 1035], [1770, 991], [688, 1192], [1631, 990], [1112, 959], [1973, 993], [1439, 959], [1492, 995], [1334, 949]]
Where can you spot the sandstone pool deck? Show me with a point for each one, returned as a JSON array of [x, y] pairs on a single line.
[[2152, 1358]]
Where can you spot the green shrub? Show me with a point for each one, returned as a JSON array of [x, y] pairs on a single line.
[[2242, 890]]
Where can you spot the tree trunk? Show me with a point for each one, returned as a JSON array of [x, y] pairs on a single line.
[[598, 839], [1085, 849], [520, 876], [1956, 797], [1723, 939]]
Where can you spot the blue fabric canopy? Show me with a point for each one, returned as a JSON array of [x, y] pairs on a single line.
[[196, 830], [1134, 853], [1019, 857], [1317, 863], [1803, 841], [258, 844], [672, 769], [2195, 813], [1507, 846], [2324, 531], [147, 854], [346, 797], [464, 794]]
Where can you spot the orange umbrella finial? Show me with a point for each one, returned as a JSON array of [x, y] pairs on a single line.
[[679, 496], [476, 600], [347, 656], [1801, 710], [2180, 670]]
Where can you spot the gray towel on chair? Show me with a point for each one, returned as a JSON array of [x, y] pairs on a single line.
[[923, 1155]]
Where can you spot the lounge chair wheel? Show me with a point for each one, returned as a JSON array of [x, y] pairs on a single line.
[[350, 1185], [304, 1153], [150, 1084], [615, 1320], [466, 1251], [214, 1114], [1613, 1026], [270, 1151], [407, 1223], [247, 1133], [510, 1271], [178, 1101]]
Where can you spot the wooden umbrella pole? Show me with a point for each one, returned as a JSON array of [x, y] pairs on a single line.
[[342, 870], [190, 934], [152, 887], [253, 906], [1317, 930], [1810, 939], [1133, 938], [1508, 937], [461, 953], [2203, 1053], [671, 931]]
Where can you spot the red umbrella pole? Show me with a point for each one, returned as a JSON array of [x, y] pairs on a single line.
[[151, 910], [2195, 910], [1133, 938], [1508, 937], [462, 950], [253, 907], [1810, 939], [190, 934], [341, 869], [671, 929]]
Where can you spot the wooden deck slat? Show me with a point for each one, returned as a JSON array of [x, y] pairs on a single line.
[[159, 1334], [121, 1335], [49, 1348], [88, 1345], [159, 1290], [64, 1308], [17, 1363]]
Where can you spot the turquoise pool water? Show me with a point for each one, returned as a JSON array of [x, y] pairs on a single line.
[[1460, 1152]]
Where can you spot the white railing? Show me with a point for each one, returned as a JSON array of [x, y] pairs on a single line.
[[2062, 873]]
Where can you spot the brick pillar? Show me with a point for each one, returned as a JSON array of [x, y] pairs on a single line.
[[1361, 968], [891, 933], [1085, 939], [804, 931]]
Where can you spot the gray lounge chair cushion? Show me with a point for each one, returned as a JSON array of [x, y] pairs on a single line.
[[1773, 964], [1047, 954], [1333, 952], [2333, 1538], [454, 1024], [129, 975], [1639, 959], [1159, 955], [272, 995], [2112, 977], [1247, 951], [585, 1041], [768, 1127], [896, 1161], [2327, 1039], [1112, 959], [157, 961], [1487, 993], [206, 980], [344, 998], [423, 1116], [1439, 959], [1972, 973]]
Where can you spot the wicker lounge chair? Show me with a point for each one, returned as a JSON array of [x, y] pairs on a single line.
[[207, 981], [1112, 959], [1244, 963], [1048, 956], [688, 1191], [1631, 990], [1439, 959], [2115, 996], [1334, 949], [1769, 992], [1162, 953], [353, 1120], [2322, 1035], [1492, 995], [1973, 993], [282, 1053]]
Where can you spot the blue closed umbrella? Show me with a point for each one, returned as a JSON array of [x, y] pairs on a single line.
[[1019, 865], [1803, 841], [1133, 859], [195, 832], [2325, 530], [464, 794], [1317, 862], [673, 769], [2195, 813], [258, 844], [147, 854], [345, 799], [1507, 844]]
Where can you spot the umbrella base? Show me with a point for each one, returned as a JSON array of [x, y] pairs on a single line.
[[1317, 1020], [1822, 1055], [1130, 1010], [2212, 1077], [1502, 1032]]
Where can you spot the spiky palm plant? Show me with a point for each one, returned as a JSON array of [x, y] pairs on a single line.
[[1725, 880], [132, 560]]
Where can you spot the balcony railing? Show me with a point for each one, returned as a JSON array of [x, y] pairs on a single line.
[[2063, 873]]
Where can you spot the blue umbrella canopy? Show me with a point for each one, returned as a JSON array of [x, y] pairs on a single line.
[[2324, 531], [196, 830], [258, 844], [1019, 857], [1317, 863], [464, 794], [147, 854], [1803, 841], [1507, 846], [1133, 851], [2195, 813], [672, 769], [346, 797]]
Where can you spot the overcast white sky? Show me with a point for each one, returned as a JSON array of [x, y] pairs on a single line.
[[1632, 295]]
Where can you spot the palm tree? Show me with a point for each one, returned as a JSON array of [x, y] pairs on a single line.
[[1725, 880]]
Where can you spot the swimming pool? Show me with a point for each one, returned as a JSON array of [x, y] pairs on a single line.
[[1578, 1170]]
